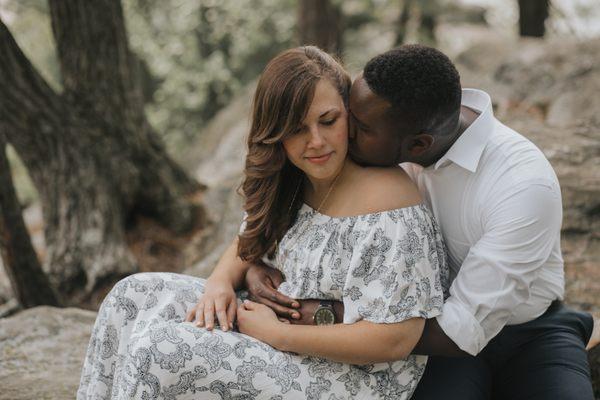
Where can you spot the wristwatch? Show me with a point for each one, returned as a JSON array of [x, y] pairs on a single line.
[[324, 314]]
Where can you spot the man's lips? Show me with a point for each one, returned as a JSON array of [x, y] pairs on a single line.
[[320, 159]]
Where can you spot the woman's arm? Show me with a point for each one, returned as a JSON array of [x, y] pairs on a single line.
[[230, 269], [362, 342]]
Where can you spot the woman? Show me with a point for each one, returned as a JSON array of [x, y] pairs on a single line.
[[380, 253]]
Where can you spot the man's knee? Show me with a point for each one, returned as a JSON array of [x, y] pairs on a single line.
[[449, 378]]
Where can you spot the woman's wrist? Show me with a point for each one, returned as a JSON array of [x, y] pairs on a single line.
[[282, 337], [218, 279]]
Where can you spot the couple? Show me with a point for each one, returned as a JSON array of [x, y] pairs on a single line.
[[368, 290]]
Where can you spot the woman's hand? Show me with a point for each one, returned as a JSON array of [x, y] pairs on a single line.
[[262, 283], [218, 298], [260, 322]]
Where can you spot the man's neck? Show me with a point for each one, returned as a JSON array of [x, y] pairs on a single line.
[[466, 118]]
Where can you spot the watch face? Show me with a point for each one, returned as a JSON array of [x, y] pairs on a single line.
[[324, 316]]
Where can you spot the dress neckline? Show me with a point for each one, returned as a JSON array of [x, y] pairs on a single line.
[[312, 210]]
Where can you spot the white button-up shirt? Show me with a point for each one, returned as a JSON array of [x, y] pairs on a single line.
[[498, 203]]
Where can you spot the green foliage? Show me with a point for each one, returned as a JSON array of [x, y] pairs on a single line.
[[200, 53]]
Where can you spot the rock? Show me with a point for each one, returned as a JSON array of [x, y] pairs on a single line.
[[217, 159], [42, 351]]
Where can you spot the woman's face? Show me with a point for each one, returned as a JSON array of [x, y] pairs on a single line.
[[320, 145]]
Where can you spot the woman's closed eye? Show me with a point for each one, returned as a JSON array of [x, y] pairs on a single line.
[[329, 122]]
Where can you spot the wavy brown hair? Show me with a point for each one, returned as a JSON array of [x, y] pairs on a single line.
[[283, 96]]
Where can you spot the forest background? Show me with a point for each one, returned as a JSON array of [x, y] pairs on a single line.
[[124, 123]]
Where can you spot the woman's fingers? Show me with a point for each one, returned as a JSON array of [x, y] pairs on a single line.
[[200, 314], [189, 316], [221, 311], [231, 309], [209, 315]]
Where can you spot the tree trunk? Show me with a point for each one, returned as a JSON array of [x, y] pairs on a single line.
[[320, 24], [29, 282], [532, 17], [429, 9], [403, 18], [90, 151]]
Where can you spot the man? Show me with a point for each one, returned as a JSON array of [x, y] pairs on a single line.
[[503, 333]]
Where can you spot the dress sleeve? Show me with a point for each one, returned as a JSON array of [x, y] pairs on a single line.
[[398, 269], [243, 224]]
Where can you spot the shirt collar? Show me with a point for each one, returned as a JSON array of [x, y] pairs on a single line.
[[467, 150]]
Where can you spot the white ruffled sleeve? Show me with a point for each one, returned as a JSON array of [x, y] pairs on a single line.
[[398, 269]]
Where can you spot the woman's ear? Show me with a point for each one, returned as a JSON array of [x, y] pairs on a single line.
[[420, 144]]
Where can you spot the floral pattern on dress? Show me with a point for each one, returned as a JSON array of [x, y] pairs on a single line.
[[386, 267]]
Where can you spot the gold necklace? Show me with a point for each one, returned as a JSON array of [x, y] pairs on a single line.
[[318, 211]]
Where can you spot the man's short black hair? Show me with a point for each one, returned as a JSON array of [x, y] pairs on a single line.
[[422, 85]]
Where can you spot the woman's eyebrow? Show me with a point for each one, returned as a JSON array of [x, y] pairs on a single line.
[[331, 110]]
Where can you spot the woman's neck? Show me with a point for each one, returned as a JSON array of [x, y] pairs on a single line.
[[316, 189]]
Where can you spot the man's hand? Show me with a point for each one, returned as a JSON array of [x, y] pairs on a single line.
[[262, 283]]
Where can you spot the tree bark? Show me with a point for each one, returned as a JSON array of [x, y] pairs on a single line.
[[28, 281], [403, 18], [320, 24], [532, 17], [90, 151]]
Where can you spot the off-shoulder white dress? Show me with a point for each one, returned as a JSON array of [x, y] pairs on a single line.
[[386, 267]]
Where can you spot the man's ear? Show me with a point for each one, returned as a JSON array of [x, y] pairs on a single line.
[[419, 144]]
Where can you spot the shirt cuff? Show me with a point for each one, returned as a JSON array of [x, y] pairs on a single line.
[[462, 327]]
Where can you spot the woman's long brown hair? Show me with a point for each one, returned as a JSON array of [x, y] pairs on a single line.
[[281, 101]]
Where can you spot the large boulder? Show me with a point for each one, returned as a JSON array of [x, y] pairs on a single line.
[[42, 351]]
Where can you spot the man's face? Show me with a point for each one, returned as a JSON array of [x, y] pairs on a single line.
[[374, 138]]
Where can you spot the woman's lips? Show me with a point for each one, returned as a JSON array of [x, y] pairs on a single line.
[[320, 160]]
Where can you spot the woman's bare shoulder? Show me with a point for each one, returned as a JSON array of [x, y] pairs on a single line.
[[382, 189]]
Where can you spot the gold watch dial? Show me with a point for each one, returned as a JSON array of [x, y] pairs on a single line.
[[324, 316]]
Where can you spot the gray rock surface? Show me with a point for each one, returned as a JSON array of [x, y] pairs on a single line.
[[42, 351]]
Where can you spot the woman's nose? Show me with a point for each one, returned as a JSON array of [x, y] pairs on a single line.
[[316, 139]]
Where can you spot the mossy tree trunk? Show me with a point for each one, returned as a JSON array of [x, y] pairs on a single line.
[[28, 281], [89, 150], [532, 17], [320, 23]]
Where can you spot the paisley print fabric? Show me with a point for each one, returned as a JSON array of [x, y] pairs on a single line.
[[385, 267]]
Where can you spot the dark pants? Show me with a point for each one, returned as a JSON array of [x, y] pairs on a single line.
[[541, 359]]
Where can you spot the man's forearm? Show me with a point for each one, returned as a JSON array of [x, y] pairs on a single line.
[[434, 342]]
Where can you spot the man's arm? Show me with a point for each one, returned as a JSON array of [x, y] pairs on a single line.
[[520, 229]]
